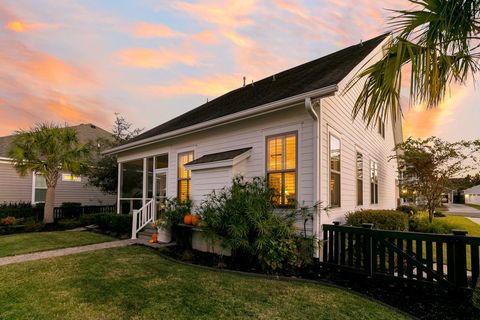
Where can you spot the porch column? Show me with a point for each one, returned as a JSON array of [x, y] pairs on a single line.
[[154, 186], [144, 189], [119, 186]]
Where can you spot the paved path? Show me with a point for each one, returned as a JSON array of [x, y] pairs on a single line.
[[462, 210], [66, 251]]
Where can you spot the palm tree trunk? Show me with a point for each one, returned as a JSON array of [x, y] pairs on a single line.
[[49, 203]]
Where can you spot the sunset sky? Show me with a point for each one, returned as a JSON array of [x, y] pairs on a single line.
[[82, 61]]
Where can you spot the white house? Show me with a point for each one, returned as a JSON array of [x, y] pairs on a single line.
[[294, 127], [472, 195]]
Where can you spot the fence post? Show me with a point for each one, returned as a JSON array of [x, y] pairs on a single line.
[[460, 258], [134, 224], [368, 248]]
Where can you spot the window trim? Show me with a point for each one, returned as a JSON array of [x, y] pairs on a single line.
[[34, 188], [73, 177], [357, 153], [189, 180], [284, 134], [330, 135], [381, 127], [374, 198]]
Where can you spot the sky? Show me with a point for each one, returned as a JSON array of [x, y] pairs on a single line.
[[82, 61]]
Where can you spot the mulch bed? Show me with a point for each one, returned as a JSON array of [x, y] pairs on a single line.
[[418, 300]]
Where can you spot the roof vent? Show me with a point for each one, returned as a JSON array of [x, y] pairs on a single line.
[[361, 43], [93, 126], [244, 80], [273, 78]]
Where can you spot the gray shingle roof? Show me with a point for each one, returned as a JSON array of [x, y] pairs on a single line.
[[219, 156], [320, 73], [86, 132], [473, 190]]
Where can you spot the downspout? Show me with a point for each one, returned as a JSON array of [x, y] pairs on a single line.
[[316, 172]]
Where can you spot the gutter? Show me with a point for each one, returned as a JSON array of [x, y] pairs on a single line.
[[263, 109], [316, 171]]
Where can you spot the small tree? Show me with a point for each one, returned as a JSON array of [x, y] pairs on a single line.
[[429, 164], [104, 168], [48, 149]]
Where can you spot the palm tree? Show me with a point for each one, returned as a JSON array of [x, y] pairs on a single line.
[[437, 41], [48, 150]]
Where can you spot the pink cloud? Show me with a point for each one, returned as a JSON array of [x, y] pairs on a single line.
[[154, 30], [157, 59]]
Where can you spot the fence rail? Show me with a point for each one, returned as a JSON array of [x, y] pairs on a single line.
[[433, 258], [75, 212]]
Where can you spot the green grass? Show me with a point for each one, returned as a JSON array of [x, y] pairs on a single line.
[[136, 283], [463, 223], [476, 206], [40, 241]]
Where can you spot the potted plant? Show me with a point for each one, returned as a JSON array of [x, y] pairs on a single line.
[[163, 229]]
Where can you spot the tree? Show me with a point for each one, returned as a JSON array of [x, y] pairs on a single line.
[[437, 42], [428, 166], [103, 172], [48, 149]]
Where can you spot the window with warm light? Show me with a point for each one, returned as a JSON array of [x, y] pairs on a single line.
[[373, 182], [71, 177], [282, 168], [184, 176], [334, 149], [359, 179]]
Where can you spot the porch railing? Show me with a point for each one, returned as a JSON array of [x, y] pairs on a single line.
[[142, 217]]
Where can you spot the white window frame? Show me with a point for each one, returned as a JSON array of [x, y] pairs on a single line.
[[374, 197], [73, 177], [329, 167], [34, 182]]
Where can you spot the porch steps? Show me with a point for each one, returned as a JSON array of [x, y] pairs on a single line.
[[146, 233]]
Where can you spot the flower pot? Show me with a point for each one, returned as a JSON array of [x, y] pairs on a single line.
[[163, 234]]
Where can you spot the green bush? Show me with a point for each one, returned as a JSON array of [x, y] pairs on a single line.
[[112, 222], [65, 224], [22, 210], [242, 217], [410, 210], [381, 219], [71, 204], [420, 223]]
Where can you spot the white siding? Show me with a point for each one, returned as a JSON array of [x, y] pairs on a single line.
[[355, 136], [206, 180], [247, 133], [472, 198]]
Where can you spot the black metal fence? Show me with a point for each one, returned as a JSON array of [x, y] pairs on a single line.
[[432, 258], [78, 211]]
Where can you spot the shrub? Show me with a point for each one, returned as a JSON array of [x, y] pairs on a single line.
[[381, 219], [112, 222], [65, 224], [22, 210], [8, 221], [420, 223], [242, 217], [410, 210], [70, 204]]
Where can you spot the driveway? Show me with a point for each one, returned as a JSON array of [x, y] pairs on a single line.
[[462, 210]]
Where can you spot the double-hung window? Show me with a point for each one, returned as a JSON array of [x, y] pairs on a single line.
[[335, 178], [373, 182], [282, 168], [40, 188], [359, 179], [184, 186], [381, 127]]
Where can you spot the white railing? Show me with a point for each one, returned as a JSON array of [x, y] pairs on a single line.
[[142, 217]]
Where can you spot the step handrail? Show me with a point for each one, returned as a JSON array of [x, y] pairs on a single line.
[[143, 216]]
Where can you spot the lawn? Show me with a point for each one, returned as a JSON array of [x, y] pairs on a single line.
[[476, 206], [21, 243], [463, 223], [136, 283]]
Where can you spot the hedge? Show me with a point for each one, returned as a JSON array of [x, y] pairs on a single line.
[[112, 222], [381, 219], [22, 210]]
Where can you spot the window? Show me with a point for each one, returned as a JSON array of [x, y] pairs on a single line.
[[40, 188], [184, 176], [373, 182], [71, 177], [359, 179], [334, 171], [381, 127], [282, 168]]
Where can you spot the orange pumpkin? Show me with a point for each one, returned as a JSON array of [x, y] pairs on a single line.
[[195, 220], [187, 219], [154, 238]]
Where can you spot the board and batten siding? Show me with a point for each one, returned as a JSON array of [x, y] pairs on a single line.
[[246, 133], [13, 187]]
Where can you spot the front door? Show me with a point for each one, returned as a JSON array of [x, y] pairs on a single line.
[[160, 189]]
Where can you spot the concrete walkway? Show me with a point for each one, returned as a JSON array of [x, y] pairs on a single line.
[[66, 251], [462, 210]]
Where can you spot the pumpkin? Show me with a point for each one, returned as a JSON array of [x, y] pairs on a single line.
[[195, 220], [187, 219], [154, 238]]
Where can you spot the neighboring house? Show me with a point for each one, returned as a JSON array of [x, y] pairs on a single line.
[[472, 195], [294, 127], [32, 187]]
